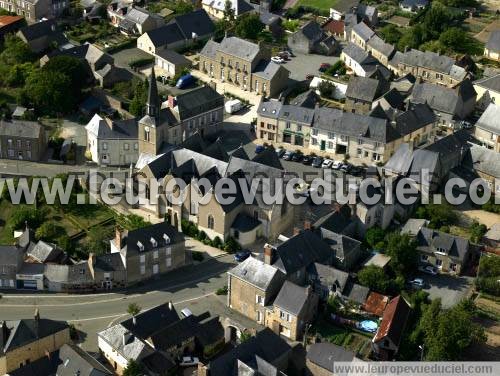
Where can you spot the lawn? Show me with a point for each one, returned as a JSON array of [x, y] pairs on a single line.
[[318, 4]]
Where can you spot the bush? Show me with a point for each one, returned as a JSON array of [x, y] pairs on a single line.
[[32, 217], [217, 243], [49, 231], [221, 291], [231, 246], [141, 62], [189, 228], [326, 89]]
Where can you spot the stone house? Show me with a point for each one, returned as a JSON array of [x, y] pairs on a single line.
[[321, 357], [267, 120], [132, 20], [244, 64], [35, 10], [362, 63], [310, 38], [449, 104], [429, 66], [215, 8], [169, 63], [380, 50], [252, 286], [487, 128], [492, 47], [294, 124], [181, 31], [42, 35], [361, 34], [107, 271], [150, 251], [485, 164], [11, 260], [385, 343], [361, 92], [292, 310], [488, 91], [22, 140], [27, 340]]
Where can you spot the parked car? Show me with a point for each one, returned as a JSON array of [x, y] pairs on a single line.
[[324, 66], [185, 81], [286, 54], [189, 361], [288, 155], [346, 167], [307, 160], [317, 162], [242, 255], [336, 165], [233, 106], [259, 149], [327, 163], [277, 60], [280, 152], [297, 157], [186, 312], [356, 170], [417, 283], [429, 269]]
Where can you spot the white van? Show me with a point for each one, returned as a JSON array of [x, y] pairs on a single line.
[[233, 106]]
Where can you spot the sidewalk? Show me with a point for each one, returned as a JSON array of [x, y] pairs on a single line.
[[195, 245]]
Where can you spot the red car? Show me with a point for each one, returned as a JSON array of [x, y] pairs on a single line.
[[323, 67]]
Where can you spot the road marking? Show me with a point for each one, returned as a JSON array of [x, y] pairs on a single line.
[[124, 314]]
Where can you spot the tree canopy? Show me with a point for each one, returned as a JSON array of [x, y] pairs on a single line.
[[249, 26], [403, 252]]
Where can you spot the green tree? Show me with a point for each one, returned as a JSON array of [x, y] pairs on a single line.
[[49, 231], [134, 368], [50, 92], [249, 26], [133, 309], [245, 336], [98, 240], [229, 13], [15, 51], [26, 215], [19, 73], [390, 33], [403, 252], [138, 103], [375, 237], [410, 38], [477, 230], [326, 89], [374, 278], [231, 245], [73, 68]]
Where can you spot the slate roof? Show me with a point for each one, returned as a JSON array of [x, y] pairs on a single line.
[[434, 61], [393, 321], [135, 348], [300, 251], [484, 160], [39, 29], [413, 226], [175, 333], [45, 252], [271, 108], [308, 99], [438, 97], [269, 158], [490, 119], [362, 88], [428, 240], [20, 128], [107, 129], [239, 6], [292, 298], [240, 48], [144, 235], [328, 276], [197, 101], [493, 233], [196, 23], [493, 44], [325, 354], [355, 292], [151, 321], [157, 363], [363, 31], [394, 98], [256, 272], [490, 83], [173, 57], [267, 69], [345, 6], [340, 244], [210, 49], [26, 331], [417, 117], [9, 254], [110, 262], [245, 223], [165, 35], [75, 361], [358, 54], [68, 274], [379, 45], [311, 31], [265, 345], [296, 114]]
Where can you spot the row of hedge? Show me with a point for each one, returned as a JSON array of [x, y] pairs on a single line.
[[190, 229]]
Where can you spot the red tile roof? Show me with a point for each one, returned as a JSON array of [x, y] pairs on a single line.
[[376, 303], [393, 321], [334, 27], [7, 20]]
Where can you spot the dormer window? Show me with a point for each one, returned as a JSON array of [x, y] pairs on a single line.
[[154, 243], [140, 246], [166, 238]]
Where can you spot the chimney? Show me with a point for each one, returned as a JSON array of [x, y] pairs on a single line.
[[37, 322], [296, 231], [126, 337], [91, 262], [170, 305], [336, 207], [213, 85], [4, 334], [268, 254], [171, 101], [134, 320], [118, 238], [37, 315], [307, 225]]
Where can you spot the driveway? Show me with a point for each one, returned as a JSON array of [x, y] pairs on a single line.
[[124, 57], [303, 64], [449, 288]]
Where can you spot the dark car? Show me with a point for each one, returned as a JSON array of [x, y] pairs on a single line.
[[288, 155], [297, 157], [242, 255], [323, 67], [356, 171], [280, 152], [307, 160], [259, 149], [346, 167], [317, 162]]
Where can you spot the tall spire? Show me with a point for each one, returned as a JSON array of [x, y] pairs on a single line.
[[153, 103]]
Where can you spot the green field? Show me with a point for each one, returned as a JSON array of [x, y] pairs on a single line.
[[319, 4]]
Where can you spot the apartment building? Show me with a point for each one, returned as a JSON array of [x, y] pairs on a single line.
[[22, 140], [35, 10], [243, 64]]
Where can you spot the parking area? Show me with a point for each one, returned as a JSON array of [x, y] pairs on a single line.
[[303, 64], [450, 289]]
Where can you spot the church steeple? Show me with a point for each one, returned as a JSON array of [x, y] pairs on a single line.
[[153, 103]]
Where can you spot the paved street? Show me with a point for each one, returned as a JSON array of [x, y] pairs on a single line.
[[304, 64], [192, 286], [448, 288]]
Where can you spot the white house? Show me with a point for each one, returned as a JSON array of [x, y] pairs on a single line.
[[112, 142]]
